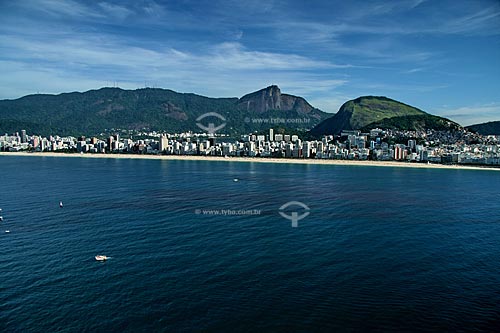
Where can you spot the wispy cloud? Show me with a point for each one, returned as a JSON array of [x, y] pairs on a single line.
[[331, 103], [235, 56], [470, 115], [25, 79], [91, 50], [120, 12], [485, 21], [413, 70], [378, 18], [89, 59], [60, 9], [326, 51]]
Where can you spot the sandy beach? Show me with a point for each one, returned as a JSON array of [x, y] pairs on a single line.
[[257, 160]]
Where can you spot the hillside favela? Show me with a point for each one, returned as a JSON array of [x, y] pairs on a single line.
[[367, 128], [278, 166]]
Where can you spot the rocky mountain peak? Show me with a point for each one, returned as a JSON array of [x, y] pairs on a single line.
[[262, 100]]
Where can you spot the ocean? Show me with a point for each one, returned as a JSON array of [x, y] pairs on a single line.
[[202, 246]]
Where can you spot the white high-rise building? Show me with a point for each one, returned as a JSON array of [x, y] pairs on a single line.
[[320, 147], [271, 134], [251, 146], [163, 144]]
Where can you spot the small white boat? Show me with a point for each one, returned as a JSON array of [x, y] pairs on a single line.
[[1, 218], [101, 258], [235, 179], [60, 204], [7, 231]]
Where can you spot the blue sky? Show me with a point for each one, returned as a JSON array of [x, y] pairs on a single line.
[[441, 56]]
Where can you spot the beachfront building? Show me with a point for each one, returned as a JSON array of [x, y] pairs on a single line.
[[424, 146]]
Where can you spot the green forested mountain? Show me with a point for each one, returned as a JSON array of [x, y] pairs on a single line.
[[489, 128], [372, 111], [414, 122], [156, 109]]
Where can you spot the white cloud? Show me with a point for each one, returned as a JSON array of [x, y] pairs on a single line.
[[413, 70], [92, 51], [379, 18], [61, 8], [95, 60], [25, 79], [485, 21], [120, 12], [330, 104], [470, 115], [232, 48], [235, 56]]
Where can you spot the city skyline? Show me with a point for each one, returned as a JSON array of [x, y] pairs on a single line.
[[441, 57], [427, 146]]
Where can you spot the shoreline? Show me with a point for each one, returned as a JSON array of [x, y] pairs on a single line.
[[257, 160]]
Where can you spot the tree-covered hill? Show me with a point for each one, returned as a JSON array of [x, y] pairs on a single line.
[[94, 111], [371, 111], [489, 128]]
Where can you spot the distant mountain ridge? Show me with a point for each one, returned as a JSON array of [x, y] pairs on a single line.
[[93, 111], [368, 112], [489, 128]]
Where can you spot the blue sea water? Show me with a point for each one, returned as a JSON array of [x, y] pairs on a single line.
[[383, 249]]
